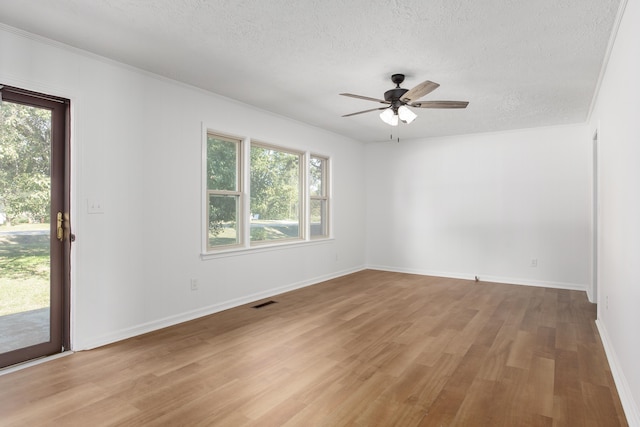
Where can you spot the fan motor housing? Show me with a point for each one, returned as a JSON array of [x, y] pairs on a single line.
[[393, 95]]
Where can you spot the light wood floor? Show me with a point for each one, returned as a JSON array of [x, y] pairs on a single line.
[[369, 349]]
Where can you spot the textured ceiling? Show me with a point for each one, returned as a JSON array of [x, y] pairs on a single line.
[[520, 64]]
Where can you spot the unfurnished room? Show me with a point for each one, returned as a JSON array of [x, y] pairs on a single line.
[[339, 213]]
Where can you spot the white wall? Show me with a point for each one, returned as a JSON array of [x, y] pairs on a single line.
[[484, 205], [136, 143], [617, 121]]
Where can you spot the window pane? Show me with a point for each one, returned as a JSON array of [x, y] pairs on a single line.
[[318, 218], [222, 164], [223, 224], [316, 172], [275, 194]]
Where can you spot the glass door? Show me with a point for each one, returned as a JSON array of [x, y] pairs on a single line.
[[34, 226]]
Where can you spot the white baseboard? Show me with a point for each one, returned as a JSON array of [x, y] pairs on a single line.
[[154, 325], [624, 391], [494, 279]]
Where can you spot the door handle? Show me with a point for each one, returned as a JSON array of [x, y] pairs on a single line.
[[63, 227], [59, 229]]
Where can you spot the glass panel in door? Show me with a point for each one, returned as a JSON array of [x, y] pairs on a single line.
[[25, 201]]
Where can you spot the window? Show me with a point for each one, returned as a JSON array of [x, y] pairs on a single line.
[[275, 194], [223, 191], [319, 195], [259, 194]]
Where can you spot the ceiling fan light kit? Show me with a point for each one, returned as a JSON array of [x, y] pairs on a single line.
[[389, 117], [403, 114], [398, 101], [406, 115]]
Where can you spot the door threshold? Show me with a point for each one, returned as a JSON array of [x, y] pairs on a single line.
[[34, 362]]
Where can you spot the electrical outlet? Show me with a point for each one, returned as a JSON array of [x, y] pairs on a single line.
[[194, 284], [606, 302], [534, 262]]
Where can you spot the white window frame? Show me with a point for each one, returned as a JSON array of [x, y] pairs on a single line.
[[244, 175], [325, 196], [239, 192]]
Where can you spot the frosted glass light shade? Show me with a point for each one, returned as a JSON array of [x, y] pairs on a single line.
[[389, 117], [406, 115]]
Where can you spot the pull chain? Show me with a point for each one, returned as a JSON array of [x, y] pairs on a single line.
[[391, 137]]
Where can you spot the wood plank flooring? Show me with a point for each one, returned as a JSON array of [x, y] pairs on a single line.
[[368, 349]]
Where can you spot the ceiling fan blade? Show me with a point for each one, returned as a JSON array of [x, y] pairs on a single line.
[[365, 111], [366, 98], [420, 90], [440, 104]]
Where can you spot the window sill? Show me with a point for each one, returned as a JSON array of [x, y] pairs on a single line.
[[224, 253]]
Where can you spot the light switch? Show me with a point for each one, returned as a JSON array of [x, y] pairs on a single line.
[[95, 206]]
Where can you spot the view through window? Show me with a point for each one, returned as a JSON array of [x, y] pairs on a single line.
[[223, 190], [271, 206], [275, 194]]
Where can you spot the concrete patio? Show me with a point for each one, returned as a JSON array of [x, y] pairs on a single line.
[[24, 329]]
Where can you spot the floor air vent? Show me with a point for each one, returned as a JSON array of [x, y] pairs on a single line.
[[264, 304]]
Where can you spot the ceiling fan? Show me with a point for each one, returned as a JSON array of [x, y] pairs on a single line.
[[398, 100]]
